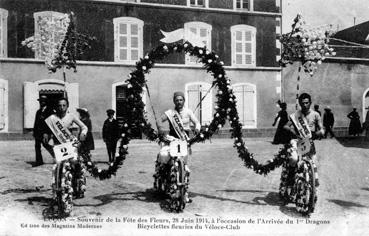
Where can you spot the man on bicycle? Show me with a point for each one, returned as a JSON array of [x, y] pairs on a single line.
[[305, 124], [60, 125], [179, 119]]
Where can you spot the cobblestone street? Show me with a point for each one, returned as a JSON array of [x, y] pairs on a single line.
[[220, 187]]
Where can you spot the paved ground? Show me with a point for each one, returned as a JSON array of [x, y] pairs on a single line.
[[222, 190]]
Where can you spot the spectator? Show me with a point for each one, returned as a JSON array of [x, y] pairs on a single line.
[[328, 122], [88, 144], [316, 108], [110, 134], [355, 124], [281, 136], [41, 132]]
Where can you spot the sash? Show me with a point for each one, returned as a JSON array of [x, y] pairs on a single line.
[[301, 124], [176, 122], [56, 125]]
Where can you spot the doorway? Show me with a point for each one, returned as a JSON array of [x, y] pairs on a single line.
[[365, 104], [122, 114], [53, 97]]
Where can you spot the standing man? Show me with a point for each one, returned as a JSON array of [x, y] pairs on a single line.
[[41, 132], [316, 108], [328, 122], [110, 134]]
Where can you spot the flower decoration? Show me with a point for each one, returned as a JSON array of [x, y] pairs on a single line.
[[309, 46], [58, 42], [225, 107]]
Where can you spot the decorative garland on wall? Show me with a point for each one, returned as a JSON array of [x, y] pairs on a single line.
[[224, 110]]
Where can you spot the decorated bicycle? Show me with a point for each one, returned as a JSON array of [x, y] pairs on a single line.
[[299, 178], [171, 170]]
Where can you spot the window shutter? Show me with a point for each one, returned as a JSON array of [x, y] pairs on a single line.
[[207, 106], [116, 42], [237, 91], [249, 105], [2, 105], [193, 99], [253, 44], [73, 96], [30, 104]]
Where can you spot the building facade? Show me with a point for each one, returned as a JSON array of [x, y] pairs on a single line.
[[243, 34], [341, 82]]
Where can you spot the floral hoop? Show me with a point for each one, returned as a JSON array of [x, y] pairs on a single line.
[[225, 108]]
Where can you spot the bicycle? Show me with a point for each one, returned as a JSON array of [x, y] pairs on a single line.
[[299, 176], [172, 173], [68, 177]]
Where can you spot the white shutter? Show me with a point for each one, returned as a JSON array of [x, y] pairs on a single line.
[[207, 106], [253, 46], [237, 91], [116, 41], [193, 99], [73, 96], [30, 104], [249, 105], [2, 105]]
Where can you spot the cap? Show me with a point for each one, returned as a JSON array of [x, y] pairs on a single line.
[[42, 98], [178, 93], [110, 111]]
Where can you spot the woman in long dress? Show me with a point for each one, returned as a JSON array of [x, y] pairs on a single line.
[[281, 136], [355, 124]]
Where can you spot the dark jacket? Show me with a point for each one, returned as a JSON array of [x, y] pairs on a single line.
[[40, 127], [89, 143], [110, 131], [328, 119]]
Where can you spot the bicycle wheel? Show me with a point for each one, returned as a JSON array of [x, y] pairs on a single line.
[[283, 186], [177, 186], [306, 196], [63, 189], [79, 179]]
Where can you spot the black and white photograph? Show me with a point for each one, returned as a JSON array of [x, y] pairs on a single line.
[[184, 117]]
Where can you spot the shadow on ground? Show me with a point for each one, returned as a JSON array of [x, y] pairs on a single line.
[[38, 189], [354, 142], [345, 204]]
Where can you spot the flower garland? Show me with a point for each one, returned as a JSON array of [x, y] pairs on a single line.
[[225, 108]]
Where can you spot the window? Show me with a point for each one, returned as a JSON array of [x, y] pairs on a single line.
[[243, 45], [198, 3], [128, 39], [50, 29], [199, 30], [243, 5], [3, 33], [246, 103], [203, 110], [3, 105]]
